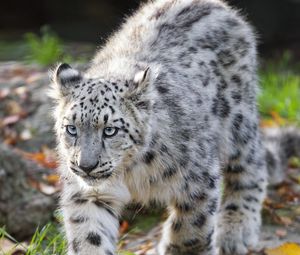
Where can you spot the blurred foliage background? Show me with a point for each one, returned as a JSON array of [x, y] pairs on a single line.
[[92, 21], [47, 31]]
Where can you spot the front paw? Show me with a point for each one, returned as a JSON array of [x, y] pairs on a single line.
[[167, 248]]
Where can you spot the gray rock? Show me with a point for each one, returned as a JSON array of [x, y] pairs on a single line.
[[22, 208]]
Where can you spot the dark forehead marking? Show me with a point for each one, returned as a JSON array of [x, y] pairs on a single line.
[[112, 109], [118, 120], [107, 88], [73, 106], [105, 118]]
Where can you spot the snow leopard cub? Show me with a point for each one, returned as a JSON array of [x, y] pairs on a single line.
[[166, 112]]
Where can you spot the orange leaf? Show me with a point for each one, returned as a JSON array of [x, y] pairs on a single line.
[[52, 179], [277, 118], [285, 249], [124, 227], [11, 140], [41, 159], [267, 123], [33, 183]]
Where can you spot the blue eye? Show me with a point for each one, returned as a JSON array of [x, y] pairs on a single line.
[[71, 130], [110, 131]]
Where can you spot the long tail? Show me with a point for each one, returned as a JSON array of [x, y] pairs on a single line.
[[281, 144]]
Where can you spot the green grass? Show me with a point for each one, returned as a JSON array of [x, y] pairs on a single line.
[[144, 222], [280, 90], [45, 49], [47, 240]]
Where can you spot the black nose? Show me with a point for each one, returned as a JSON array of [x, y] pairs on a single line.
[[87, 167]]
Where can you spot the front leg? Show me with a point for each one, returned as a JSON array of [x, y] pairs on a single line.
[[91, 221]]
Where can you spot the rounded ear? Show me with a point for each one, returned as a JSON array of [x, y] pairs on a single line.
[[140, 88], [142, 78], [140, 83], [65, 77]]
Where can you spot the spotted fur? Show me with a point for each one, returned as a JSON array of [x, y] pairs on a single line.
[[178, 85]]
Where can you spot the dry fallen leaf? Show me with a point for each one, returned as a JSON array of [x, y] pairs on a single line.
[[33, 183], [13, 108], [45, 158], [34, 77], [8, 247], [12, 119], [287, 192], [10, 136], [286, 221], [285, 249], [268, 123], [43, 187], [52, 179], [4, 93], [18, 70], [47, 189], [124, 227], [25, 135], [277, 118], [281, 233]]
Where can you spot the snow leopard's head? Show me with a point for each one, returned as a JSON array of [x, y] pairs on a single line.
[[100, 124]]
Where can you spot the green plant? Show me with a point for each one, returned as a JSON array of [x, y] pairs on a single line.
[[45, 241], [280, 90], [48, 240], [45, 49]]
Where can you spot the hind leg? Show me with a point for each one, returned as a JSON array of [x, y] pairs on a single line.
[[245, 184]]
